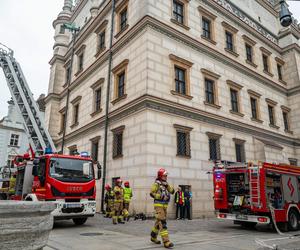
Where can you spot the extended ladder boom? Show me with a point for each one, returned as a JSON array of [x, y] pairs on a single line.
[[37, 133]]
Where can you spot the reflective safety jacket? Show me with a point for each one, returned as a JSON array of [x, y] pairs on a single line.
[[119, 194], [109, 197], [161, 192], [177, 197], [12, 185], [127, 194]]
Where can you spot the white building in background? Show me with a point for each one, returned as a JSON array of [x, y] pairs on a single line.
[[192, 81], [13, 139]]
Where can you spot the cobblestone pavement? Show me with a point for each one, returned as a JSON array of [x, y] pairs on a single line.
[[212, 234]]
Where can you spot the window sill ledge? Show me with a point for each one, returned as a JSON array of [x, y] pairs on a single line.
[[289, 132], [118, 99], [236, 113], [117, 157], [180, 24], [268, 73], [173, 92], [231, 52], [251, 63], [184, 156], [212, 105], [12, 146], [79, 72], [209, 40], [74, 125], [274, 126], [96, 113], [283, 82], [256, 120], [100, 51], [120, 32]]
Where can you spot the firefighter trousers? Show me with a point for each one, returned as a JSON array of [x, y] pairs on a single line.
[[117, 212], [126, 210], [160, 225], [109, 208]]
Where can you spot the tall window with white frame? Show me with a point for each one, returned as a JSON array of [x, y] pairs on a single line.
[[206, 28], [121, 84], [178, 11], [285, 115], [234, 100], [183, 141], [209, 91], [214, 146], [229, 40], [240, 150], [98, 99], [271, 115], [254, 108], [14, 140], [249, 52], [265, 62], [180, 81], [118, 142]]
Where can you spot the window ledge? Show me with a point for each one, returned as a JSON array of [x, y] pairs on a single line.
[[96, 112], [212, 105], [74, 125], [184, 156], [283, 82], [118, 99], [289, 132], [236, 113], [78, 72], [256, 120], [173, 92], [231, 52], [274, 126], [251, 63], [180, 24], [12, 146], [100, 51], [268, 73], [121, 31], [117, 156], [209, 40]]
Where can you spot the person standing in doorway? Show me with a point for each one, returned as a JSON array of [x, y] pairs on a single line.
[[179, 201], [187, 203]]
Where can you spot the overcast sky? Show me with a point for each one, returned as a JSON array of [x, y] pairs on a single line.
[[26, 27]]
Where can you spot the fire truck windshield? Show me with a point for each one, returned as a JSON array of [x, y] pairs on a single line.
[[71, 170]]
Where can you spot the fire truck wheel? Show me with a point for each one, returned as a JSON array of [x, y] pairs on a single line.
[[79, 221], [293, 221]]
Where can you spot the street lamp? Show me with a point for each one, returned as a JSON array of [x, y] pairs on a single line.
[[74, 30], [285, 16]]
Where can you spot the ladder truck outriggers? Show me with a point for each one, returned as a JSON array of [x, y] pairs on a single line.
[[261, 193], [68, 181]]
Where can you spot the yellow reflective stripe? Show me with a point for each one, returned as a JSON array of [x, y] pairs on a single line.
[[164, 233], [160, 205], [154, 230], [118, 200]]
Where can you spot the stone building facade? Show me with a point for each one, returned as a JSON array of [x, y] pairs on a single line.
[[192, 81]]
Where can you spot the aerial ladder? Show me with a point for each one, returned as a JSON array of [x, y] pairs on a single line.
[[38, 136]]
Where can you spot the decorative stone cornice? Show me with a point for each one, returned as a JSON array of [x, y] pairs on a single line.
[[76, 99], [181, 60], [271, 102], [97, 83], [249, 40], [210, 73], [182, 128], [253, 93], [173, 108], [231, 11], [234, 84]]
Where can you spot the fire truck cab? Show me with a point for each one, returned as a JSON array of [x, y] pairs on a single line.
[[262, 193], [67, 181]]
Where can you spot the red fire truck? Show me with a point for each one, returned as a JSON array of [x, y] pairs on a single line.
[[68, 181], [262, 193]]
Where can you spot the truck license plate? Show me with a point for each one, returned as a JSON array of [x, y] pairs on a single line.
[[242, 217], [73, 205]]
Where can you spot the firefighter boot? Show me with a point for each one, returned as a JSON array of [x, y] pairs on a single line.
[[165, 238], [120, 220], [154, 234], [115, 220]]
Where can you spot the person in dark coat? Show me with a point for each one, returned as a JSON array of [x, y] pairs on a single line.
[[187, 203], [179, 202]]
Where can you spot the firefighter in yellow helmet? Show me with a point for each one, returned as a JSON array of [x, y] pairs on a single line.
[[109, 200], [127, 199], [161, 192], [118, 203]]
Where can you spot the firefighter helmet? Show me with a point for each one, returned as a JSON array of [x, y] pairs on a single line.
[[107, 187], [126, 183], [161, 172]]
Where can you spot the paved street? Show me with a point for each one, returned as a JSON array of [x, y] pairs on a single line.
[[99, 233]]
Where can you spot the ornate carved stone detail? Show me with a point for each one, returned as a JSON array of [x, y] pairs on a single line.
[[226, 4]]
